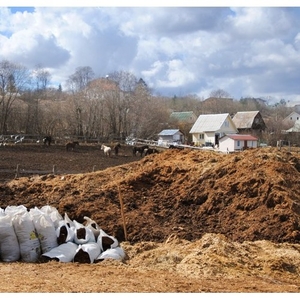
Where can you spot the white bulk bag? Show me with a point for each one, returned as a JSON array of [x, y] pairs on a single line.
[[83, 234], [106, 241], [29, 243], [45, 229], [87, 253], [63, 253], [9, 245], [115, 253]]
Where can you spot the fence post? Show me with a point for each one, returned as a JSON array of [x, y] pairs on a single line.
[[54, 170], [122, 213], [17, 172]]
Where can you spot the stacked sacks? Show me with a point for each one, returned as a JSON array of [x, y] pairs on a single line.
[[41, 235], [92, 243]]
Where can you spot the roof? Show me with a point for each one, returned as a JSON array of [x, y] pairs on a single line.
[[244, 119], [182, 115], [169, 132], [210, 122], [240, 137], [295, 128], [294, 113]]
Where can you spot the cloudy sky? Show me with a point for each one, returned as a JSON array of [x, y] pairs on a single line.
[[246, 51]]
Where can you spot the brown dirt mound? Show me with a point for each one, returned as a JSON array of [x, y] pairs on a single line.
[[195, 221], [246, 196]]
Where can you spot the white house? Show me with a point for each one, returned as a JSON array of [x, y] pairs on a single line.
[[295, 128], [170, 136], [237, 142], [208, 129], [291, 118]]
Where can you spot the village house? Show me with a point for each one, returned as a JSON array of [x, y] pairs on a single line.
[[249, 122], [186, 117], [208, 129], [237, 142], [170, 136], [291, 119]]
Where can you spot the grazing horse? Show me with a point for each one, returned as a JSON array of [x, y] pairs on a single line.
[[116, 148], [47, 140], [140, 149], [176, 147], [71, 145], [106, 149], [150, 151]]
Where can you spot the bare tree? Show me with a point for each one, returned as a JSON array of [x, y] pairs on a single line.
[[80, 79], [77, 83], [219, 93], [13, 79], [126, 81], [40, 78]]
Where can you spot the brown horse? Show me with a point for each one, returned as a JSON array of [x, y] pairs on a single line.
[[71, 145], [148, 151], [140, 150], [116, 148]]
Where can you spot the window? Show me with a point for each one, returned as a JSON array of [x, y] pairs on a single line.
[[238, 143], [201, 136]]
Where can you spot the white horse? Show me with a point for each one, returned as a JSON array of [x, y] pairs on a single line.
[[106, 149]]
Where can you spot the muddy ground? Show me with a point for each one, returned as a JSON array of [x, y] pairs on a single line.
[[194, 220]]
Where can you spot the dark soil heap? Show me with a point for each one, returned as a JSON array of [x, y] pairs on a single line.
[[247, 196]]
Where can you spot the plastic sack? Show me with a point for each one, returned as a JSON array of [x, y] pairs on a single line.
[[29, 243], [64, 233], [106, 241], [45, 229], [62, 253], [87, 253], [9, 244], [115, 253], [83, 234]]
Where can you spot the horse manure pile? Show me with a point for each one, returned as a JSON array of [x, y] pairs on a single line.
[[245, 196]]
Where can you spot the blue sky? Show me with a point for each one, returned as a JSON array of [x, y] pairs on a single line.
[[246, 51]]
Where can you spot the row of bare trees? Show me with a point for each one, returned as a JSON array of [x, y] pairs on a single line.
[[112, 107]]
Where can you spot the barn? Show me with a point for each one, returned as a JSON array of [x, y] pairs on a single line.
[[237, 142]]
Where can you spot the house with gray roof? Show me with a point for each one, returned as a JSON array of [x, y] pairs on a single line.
[[250, 122], [208, 129], [170, 136]]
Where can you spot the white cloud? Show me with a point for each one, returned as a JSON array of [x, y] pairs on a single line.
[[247, 51]]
